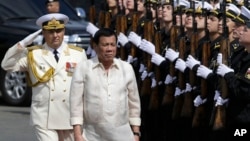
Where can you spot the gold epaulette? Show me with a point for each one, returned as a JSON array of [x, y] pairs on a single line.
[[75, 48], [40, 79], [34, 47]]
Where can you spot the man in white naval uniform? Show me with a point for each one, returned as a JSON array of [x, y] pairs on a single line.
[[50, 79]]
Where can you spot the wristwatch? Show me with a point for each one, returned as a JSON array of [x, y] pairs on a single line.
[[137, 134]]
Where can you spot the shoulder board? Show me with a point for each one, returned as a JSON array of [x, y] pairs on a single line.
[[34, 47], [75, 48]]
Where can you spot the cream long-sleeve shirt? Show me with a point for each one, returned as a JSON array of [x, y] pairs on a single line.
[[105, 100]]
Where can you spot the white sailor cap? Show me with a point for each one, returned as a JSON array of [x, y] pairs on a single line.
[[166, 2], [201, 6], [204, 5], [246, 17], [216, 10], [232, 11], [49, 1], [184, 3], [246, 13], [52, 21]]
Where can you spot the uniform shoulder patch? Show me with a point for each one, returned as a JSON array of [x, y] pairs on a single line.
[[34, 47], [75, 48], [217, 45]]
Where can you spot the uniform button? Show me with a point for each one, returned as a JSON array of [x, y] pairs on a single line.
[[52, 100], [64, 80], [63, 100], [64, 90], [52, 89]]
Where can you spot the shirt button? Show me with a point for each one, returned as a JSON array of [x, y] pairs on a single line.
[[63, 100], [64, 90], [52, 100]]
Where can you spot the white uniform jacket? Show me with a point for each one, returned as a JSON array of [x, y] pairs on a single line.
[[50, 95], [106, 104]]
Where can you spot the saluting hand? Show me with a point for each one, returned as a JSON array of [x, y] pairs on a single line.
[[30, 38]]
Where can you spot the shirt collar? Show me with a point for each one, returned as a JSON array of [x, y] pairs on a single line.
[[96, 63], [59, 50]]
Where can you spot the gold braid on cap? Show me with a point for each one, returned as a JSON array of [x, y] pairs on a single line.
[[45, 78], [53, 24]]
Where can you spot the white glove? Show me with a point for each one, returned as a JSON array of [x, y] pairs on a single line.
[[153, 83], [130, 59], [219, 58], [171, 54], [93, 53], [157, 59], [220, 101], [122, 39], [216, 95], [91, 29], [177, 91], [142, 68], [188, 88], [198, 101], [223, 69], [169, 79], [29, 39], [147, 47], [89, 49], [134, 38], [144, 75], [203, 71], [180, 65], [191, 62]]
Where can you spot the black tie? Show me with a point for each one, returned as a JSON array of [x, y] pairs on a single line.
[[55, 54]]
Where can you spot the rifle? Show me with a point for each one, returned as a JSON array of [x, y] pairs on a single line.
[[134, 27], [92, 12], [121, 26], [220, 113], [154, 99], [200, 114], [148, 35], [104, 18], [178, 102], [168, 97], [92, 18], [187, 107]]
